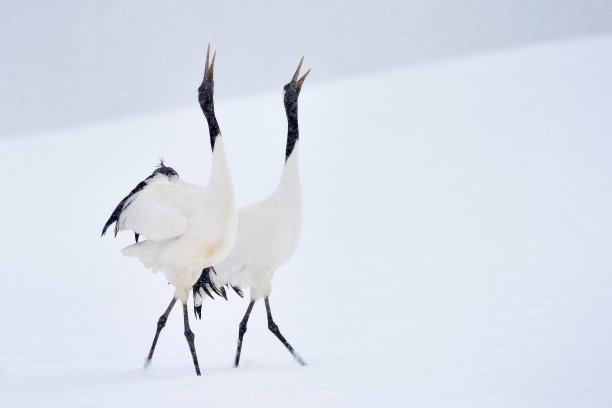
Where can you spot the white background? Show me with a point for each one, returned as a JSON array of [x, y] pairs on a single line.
[[455, 253]]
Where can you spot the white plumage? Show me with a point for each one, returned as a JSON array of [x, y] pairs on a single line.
[[186, 227], [268, 235], [268, 232]]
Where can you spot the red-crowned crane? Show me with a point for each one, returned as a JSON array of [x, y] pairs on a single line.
[[268, 233], [187, 227]]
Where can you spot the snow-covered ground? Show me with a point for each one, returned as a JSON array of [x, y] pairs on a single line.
[[457, 247]]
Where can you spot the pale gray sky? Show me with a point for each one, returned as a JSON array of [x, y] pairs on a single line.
[[70, 62]]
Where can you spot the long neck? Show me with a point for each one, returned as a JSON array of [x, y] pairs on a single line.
[[220, 176], [293, 132], [213, 126], [289, 187]]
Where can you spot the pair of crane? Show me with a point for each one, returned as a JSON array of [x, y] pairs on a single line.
[[198, 240]]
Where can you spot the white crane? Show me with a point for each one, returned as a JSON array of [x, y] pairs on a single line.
[[187, 227], [268, 233]]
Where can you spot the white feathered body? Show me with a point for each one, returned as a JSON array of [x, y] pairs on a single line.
[[267, 236], [187, 227]]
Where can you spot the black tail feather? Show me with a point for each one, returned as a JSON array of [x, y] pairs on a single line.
[[197, 310], [238, 291], [205, 283]]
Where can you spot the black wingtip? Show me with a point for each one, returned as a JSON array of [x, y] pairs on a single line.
[[205, 289], [238, 291], [218, 291], [108, 224], [197, 310], [202, 283], [206, 284], [208, 280], [114, 218]]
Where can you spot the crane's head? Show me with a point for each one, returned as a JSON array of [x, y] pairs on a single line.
[[165, 170], [291, 91]]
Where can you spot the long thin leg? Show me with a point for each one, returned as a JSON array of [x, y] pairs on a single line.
[[190, 336], [160, 325], [274, 329], [241, 331]]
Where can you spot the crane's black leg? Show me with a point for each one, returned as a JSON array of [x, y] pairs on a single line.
[[160, 325], [241, 331], [190, 336], [274, 329]]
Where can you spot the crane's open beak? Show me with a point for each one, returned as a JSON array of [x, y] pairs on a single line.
[[297, 83]]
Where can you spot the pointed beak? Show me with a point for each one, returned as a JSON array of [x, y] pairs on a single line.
[[297, 83], [297, 72], [301, 80], [209, 69]]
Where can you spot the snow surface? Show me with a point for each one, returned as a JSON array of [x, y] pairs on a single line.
[[456, 248]]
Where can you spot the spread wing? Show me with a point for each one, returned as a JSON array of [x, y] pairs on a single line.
[[117, 211], [157, 211], [161, 173]]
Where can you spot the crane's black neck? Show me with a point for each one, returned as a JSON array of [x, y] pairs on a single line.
[[293, 132], [205, 97], [213, 127]]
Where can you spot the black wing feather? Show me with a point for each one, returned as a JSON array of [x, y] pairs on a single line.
[[114, 218], [119, 209], [238, 291], [205, 283]]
